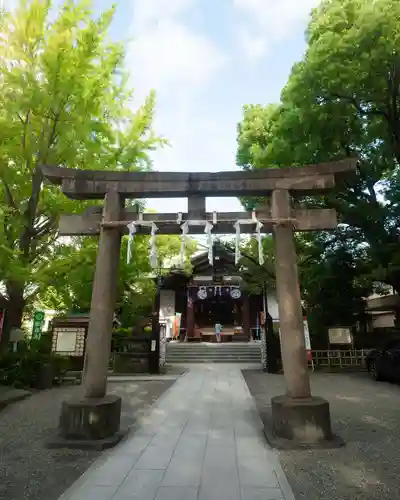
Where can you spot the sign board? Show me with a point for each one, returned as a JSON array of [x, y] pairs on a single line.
[[38, 321], [66, 341], [17, 335], [69, 341], [341, 335]]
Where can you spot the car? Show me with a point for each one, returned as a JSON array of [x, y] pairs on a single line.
[[384, 364]]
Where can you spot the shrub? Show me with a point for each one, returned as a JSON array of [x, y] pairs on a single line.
[[122, 332], [21, 369]]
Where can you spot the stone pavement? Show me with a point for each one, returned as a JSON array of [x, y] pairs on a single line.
[[202, 441]]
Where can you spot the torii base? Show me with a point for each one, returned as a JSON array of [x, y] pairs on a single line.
[[300, 423], [89, 423]]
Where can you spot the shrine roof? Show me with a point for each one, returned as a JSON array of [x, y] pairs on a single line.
[[200, 264]]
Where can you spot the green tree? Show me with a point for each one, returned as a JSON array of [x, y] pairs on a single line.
[[65, 100], [72, 280], [258, 277], [343, 99], [334, 276]]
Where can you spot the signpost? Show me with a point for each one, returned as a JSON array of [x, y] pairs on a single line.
[[38, 321]]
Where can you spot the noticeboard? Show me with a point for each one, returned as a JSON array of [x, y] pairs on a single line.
[[340, 335], [69, 341]]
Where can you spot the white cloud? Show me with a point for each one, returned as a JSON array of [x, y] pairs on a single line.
[[166, 54], [148, 11], [171, 57], [266, 22]]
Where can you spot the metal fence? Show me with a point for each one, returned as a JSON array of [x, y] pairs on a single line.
[[339, 359]]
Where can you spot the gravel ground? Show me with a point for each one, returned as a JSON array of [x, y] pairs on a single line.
[[366, 415], [28, 470]]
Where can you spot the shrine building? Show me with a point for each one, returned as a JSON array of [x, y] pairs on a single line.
[[193, 304]]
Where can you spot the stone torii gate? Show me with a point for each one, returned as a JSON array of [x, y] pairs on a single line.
[[296, 415]]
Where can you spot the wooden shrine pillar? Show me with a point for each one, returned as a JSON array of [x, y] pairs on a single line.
[[294, 357], [246, 316], [190, 322]]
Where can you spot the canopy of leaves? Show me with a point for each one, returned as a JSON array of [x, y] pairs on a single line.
[[70, 288], [342, 99], [65, 100]]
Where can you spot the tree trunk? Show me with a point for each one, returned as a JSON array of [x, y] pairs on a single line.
[[14, 312]]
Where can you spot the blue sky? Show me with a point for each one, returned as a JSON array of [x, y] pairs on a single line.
[[206, 59]]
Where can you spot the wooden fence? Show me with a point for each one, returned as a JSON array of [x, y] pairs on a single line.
[[339, 359]]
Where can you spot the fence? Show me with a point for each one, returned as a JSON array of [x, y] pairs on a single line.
[[339, 359]]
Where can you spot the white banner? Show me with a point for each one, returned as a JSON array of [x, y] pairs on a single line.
[[307, 339]]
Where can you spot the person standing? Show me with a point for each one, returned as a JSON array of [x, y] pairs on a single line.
[[218, 329]]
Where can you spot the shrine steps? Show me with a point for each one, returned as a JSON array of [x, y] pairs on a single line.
[[213, 353]]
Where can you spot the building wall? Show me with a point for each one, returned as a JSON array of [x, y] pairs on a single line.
[[167, 303], [273, 305], [383, 320], [167, 309], [172, 302]]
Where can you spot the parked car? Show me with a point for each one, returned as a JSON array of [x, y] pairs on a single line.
[[384, 364]]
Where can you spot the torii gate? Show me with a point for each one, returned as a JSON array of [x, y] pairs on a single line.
[[296, 415]]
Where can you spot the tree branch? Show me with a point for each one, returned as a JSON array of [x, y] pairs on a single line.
[[353, 101], [9, 197], [37, 179], [254, 261]]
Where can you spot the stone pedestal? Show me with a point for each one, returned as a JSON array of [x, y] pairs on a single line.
[[301, 420], [89, 423]]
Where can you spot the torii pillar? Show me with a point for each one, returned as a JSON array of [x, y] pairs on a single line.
[[296, 415], [95, 418]]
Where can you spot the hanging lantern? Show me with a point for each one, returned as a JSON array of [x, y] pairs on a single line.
[[202, 293], [236, 293]]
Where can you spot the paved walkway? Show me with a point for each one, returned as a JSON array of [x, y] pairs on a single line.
[[202, 441]]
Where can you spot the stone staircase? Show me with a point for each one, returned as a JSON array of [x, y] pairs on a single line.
[[229, 352]]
